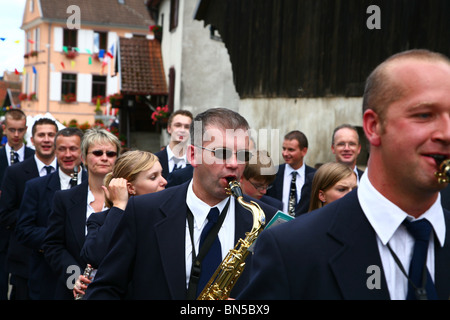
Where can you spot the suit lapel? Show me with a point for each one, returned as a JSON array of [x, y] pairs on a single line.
[[359, 251], [442, 257], [76, 212], [170, 234], [279, 181]]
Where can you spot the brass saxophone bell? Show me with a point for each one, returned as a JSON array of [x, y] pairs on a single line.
[[443, 175]]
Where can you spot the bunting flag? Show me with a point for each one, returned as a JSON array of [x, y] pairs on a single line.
[[16, 72], [72, 63], [62, 64], [3, 39], [30, 41], [90, 60], [34, 70]]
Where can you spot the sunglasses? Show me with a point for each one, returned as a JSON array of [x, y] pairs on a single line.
[[224, 153], [99, 153]]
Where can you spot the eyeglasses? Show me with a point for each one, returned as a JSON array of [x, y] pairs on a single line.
[[260, 188], [99, 153], [344, 144], [225, 153]]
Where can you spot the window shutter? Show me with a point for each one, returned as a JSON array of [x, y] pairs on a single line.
[[85, 41], [55, 86], [84, 87], [57, 39]]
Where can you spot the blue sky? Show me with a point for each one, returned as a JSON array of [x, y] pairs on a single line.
[[11, 53]]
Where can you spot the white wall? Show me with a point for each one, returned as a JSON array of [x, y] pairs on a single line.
[[316, 118]]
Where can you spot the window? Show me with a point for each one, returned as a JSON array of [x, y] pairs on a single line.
[[70, 38], [98, 86], [100, 40], [173, 14], [69, 83]]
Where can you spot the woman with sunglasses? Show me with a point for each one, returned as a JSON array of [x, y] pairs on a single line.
[[67, 230], [134, 173]]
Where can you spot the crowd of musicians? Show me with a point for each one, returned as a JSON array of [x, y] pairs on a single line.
[[80, 218]]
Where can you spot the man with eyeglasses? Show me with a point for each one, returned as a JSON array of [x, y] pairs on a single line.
[[14, 151], [346, 147], [258, 177], [153, 255]]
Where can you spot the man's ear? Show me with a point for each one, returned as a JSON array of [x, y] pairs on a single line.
[[190, 155], [372, 127]]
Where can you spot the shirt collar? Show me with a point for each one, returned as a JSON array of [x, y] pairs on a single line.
[[300, 171], [385, 217], [41, 165], [20, 152], [171, 156], [65, 179], [199, 208]]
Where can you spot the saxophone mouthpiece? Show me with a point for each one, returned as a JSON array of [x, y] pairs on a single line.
[[438, 158]]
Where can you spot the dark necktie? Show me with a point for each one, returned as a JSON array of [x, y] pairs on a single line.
[[214, 256], [292, 195], [48, 169], [73, 182], [14, 157], [421, 231]]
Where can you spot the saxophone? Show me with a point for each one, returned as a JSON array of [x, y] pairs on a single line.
[[231, 268], [443, 175]]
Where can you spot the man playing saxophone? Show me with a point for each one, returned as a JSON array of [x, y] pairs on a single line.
[[156, 251]]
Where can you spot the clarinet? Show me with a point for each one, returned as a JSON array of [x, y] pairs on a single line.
[[74, 180], [87, 273]]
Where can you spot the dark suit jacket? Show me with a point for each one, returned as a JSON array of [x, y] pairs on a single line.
[[13, 187], [164, 161], [180, 176], [277, 190], [325, 254], [306, 193], [4, 234], [148, 248], [31, 228], [4, 161], [65, 236], [445, 197], [101, 227], [272, 202]]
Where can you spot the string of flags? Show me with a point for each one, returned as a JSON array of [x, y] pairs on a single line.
[[104, 56]]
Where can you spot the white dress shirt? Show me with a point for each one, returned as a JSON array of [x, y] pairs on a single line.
[[386, 218], [175, 161], [64, 179], [299, 181], [41, 165], [200, 212], [89, 209]]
